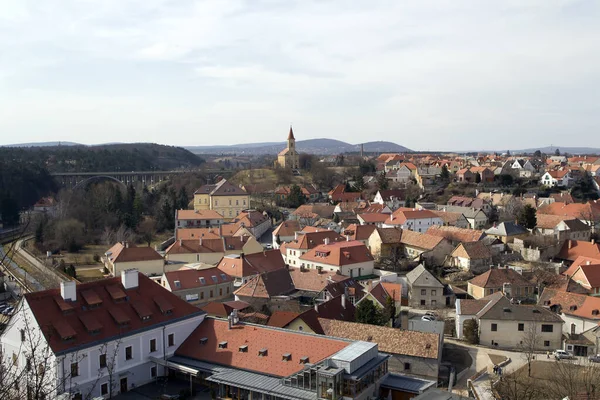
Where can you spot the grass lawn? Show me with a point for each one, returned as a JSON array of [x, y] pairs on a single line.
[[84, 257], [89, 274], [497, 359]]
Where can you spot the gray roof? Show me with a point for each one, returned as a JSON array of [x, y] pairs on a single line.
[[407, 383], [500, 308], [261, 383], [576, 225], [468, 212], [506, 229], [438, 394], [416, 273]]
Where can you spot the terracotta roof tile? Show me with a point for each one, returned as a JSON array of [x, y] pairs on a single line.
[[287, 228], [312, 281], [472, 251], [131, 253], [579, 305], [267, 285], [310, 240], [495, 277], [572, 249], [186, 279], [420, 240], [455, 234], [280, 319], [359, 232], [339, 253], [197, 215], [581, 260]]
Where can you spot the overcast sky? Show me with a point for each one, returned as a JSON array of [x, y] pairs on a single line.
[[430, 75]]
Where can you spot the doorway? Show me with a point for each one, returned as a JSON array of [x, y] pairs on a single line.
[[123, 385]]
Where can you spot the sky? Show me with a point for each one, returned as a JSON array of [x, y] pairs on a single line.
[[429, 75]]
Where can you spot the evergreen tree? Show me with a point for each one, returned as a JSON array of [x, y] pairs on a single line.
[[445, 174], [557, 152], [527, 217], [478, 178], [471, 331], [9, 211], [368, 313], [296, 198], [390, 310], [182, 199], [382, 182]]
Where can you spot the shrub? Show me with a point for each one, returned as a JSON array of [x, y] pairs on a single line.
[[471, 331]]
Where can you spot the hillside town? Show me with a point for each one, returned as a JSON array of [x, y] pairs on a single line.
[[427, 276]]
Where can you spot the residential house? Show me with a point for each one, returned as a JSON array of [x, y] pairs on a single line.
[[581, 316], [506, 280], [250, 361], [562, 228], [425, 290], [455, 219], [255, 221], [456, 235], [225, 198], [579, 261], [560, 178], [411, 353], [507, 232], [309, 193], [262, 289], [373, 219], [305, 241], [379, 295], [465, 175], [505, 324], [197, 219], [401, 172], [349, 258], [308, 214], [285, 232], [224, 309], [470, 202], [210, 251], [571, 249], [475, 257], [393, 198], [312, 282], [412, 219], [46, 205], [476, 217], [124, 255], [425, 247], [588, 213], [486, 175], [373, 208], [588, 276], [359, 232], [245, 266], [211, 233], [385, 243], [198, 285], [351, 288], [95, 339], [427, 175]]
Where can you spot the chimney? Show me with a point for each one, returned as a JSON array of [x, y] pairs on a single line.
[[316, 308], [242, 238], [295, 235], [126, 245], [570, 244], [326, 241], [347, 238], [230, 321], [67, 291], [587, 262], [180, 242], [130, 278], [200, 241], [593, 241], [344, 301]]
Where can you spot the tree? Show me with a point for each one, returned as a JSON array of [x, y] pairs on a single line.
[[529, 344], [182, 199], [527, 217], [557, 152], [366, 167], [307, 218], [68, 234], [147, 230], [471, 331], [382, 181], [277, 240], [390, 310], [295, 199], [478, 178], [9, 211], [537, 154], [368, 313], [445, 174]]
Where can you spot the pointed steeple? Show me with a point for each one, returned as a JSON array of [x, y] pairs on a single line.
[[291, 134]]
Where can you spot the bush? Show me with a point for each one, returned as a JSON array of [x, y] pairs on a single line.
[[471, 331], [96, 258]]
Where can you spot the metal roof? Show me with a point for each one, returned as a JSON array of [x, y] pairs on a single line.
[[261, 383], [368, 367], [353, 351], [407, 383]]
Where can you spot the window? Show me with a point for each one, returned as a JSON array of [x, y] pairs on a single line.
[[104, 389], [102, 360], [220, 291], [128, 353], [521, 327], [211, 294], [244, 202], [227, 289], [407, 366], [237, 202], [546, 343], [547, 328], [22, 335], [422, 302], [433, 292], [171, 339], [74, 369], [201, 295], [494, 327], [152, 345], [423, 292], [153, 372]]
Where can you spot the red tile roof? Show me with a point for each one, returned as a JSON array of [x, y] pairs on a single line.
[[496, 277], [280, 319], [287, 228], [130, 253], [592, 275], [196, 278], [71, 323], [579, 305], [455, 234], [359, 232], [339, 253], [572, 249], [420, 240], [581, 260], [267, 285], [401, 215], [472, 251], [310, 240], [252, 264], [195, 215], [312, 281], [276, 341], [373, 218], [222, 310]]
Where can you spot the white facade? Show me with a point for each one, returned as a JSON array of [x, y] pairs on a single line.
[[418, 224], [548, 180], [352, 270]]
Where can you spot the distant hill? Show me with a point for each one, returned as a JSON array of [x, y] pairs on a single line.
[[109, 157], [311, 146], [570, 150], [43, 144]]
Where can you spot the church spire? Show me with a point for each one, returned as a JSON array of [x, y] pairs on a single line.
[[291, 134]]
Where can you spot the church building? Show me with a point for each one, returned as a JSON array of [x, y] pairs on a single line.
[[288, 158]]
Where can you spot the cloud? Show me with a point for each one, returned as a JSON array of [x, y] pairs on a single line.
[[442, 74]]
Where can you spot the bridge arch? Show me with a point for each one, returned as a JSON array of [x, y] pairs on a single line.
[[99, 178]]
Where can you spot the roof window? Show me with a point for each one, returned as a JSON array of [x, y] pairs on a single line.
[[243, 348], [202, 281], [573, 308], [595, 312], [262, 352], [286, 357], [178, 284], [224, 277], [215, 279], [304, 360], [506, 309], [203, 340], [223, 345]]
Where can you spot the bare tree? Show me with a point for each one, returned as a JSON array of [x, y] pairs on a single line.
[[107, 366], [571, 379], [307, 218], [529, 344], [516, 386]]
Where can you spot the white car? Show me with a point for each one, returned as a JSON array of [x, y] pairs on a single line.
[[427, 318], [562, 355]]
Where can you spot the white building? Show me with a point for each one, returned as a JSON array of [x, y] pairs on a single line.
[[556, 178], [350, 258], [94, 339], [412, 219]]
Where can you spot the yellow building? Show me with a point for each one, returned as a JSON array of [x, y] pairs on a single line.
[[224, 198], [288, 158]]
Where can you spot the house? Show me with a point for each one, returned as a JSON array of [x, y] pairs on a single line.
[[197, 219], [308, 214], [74, 335], [486, 175], [312, 281], [588, 276], [305, 241], [588, 213], [476, 217], [422, 246], [243, 360], [472, 256], [581, 316], [452, 219], [374, 219], [309, 192], [289, 158], [579, 261], [562, 228], [259, 290], [349, 258], [255, 221], [385, 243], [507, 232], [505, 280], [210, 251], [561, 178], [379, 295], [225, 198], [373, 208], [571, 249], [411, 353], [285, 232], [359, 232], [245, 266], [465, 175], [198, 285], [456, 235], [224, 309], [412, 219], [470, 202], [349, 287], [393, 198], [427, 175], [211, 233], [124, 255], [46, 205], [425, 290], [504, 324]]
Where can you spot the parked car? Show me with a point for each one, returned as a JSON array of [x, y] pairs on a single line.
[[268, 246], [562, 355], [8, 311], [431, 314], [595, 358], [427, 318]]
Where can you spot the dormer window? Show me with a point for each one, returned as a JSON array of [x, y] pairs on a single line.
[[595, 312], [262, 353], [304, 360], [573, 308], [222, 345], [286, 357], [178, 284], [243, 349], [203, 340]]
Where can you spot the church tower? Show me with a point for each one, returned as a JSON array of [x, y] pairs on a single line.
[[288, 157], [291, 141]]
